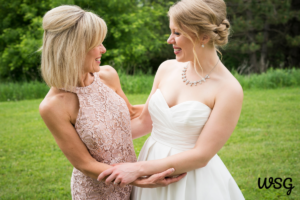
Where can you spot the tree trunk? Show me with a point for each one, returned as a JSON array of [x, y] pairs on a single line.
[[264, 50], [252, 54]]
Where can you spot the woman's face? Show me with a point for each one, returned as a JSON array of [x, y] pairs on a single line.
[[93, 59], [183, 47]]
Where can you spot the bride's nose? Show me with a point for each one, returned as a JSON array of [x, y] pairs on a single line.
[[170, 39]]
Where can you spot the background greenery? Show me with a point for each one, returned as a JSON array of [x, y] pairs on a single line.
[[265, 143], [263, 54], [265, 34], [142, 84]]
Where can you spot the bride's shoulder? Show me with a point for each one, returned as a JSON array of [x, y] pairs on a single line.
[[168, 66], [230, 87]]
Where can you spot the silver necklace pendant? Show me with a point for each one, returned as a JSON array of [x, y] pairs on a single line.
[[191, 83]]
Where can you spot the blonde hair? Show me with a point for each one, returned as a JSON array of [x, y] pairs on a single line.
[[69, 33], [198, 17]]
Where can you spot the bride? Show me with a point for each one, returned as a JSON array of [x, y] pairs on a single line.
[[193, 108]]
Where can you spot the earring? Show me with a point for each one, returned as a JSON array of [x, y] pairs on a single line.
[[202, 45]]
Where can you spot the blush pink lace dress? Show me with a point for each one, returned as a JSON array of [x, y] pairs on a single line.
[[103, 124]]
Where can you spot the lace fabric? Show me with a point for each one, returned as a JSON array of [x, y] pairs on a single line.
[[103, 124]]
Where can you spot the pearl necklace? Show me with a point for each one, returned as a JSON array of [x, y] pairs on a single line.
[[191, 83]]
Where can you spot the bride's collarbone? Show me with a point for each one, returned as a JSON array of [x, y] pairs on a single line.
[[175, 91]]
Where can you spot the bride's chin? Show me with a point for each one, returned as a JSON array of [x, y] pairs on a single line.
[[181, 60]]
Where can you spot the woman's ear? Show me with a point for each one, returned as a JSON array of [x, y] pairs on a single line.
[[204, 39]]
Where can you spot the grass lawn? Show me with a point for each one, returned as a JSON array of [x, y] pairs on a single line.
[[265, 143]]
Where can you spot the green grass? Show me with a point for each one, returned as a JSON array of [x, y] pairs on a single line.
[[265, 143], [142, 84]]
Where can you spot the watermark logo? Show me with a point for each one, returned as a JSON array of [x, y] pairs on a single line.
[[276, 184]]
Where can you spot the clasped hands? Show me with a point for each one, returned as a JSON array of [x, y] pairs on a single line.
[[129, 173]]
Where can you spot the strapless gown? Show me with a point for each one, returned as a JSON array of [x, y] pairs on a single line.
[[175, 130]]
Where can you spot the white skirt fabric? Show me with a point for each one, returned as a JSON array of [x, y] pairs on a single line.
[[176, 130], [212, 182]]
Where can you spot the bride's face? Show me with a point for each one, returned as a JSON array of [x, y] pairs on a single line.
[[183, 46]]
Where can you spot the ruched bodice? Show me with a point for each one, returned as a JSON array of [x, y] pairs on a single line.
[[179, 126], [176, 130]]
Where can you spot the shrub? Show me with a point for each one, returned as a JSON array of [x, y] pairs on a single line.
[[142, 84]]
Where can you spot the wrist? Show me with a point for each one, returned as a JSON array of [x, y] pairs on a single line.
[[141, 169]]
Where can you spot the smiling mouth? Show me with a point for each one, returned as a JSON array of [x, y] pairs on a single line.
[[98, 59], [177, 50]]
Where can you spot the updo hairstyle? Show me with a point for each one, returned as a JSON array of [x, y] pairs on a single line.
[[199, 17], [69, 33]]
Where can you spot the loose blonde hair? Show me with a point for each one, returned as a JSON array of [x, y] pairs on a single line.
[[200, 17], [69, 33]]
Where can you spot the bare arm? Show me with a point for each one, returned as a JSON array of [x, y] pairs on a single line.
[[58, 122], [142, 125], [214, 135]]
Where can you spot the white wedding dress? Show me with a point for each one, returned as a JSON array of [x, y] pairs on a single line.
[[175, 130]]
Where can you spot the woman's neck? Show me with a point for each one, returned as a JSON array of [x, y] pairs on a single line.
[[208, 58], [86, 79]]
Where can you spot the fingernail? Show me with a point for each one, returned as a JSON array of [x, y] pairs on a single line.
[[173, 169]]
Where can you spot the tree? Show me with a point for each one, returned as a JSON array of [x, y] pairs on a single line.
[[135, 36], [20, 38], [134, 40], [265, 34], [260, 30]]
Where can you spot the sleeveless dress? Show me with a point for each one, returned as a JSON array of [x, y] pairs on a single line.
[[176, 130], [103, 124]]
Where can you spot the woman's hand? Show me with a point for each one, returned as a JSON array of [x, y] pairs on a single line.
[[124, 173], [157, 180]]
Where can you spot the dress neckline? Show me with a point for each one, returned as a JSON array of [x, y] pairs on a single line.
[[203, 104], [95, 74], [89, 88]]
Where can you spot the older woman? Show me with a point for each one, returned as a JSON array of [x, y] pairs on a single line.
[[194, 106], [86, 109]]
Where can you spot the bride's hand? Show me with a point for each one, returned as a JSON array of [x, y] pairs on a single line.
[[122, 174], [125, 173], [158, 180]]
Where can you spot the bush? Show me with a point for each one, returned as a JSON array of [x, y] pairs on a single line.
[[142, 84], [271, 79], [21, 91]]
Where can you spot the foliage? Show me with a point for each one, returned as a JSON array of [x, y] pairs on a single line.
[[265, 143], [265, 34], [142, 84], [20, 91], [134, 35], [20, 38], [9, 91], [271, 79]]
